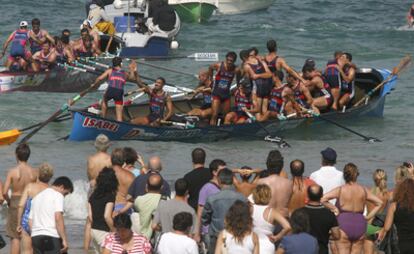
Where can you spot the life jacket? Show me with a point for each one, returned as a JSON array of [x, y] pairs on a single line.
[[34, 46], [259, 69], [272, 64], [345, 86], [299, 95], [330, 69], [18, 44], [117, 79], [325, 91], [223, 80], [276, 99], [207, 96], [242, 101], [157, 104]]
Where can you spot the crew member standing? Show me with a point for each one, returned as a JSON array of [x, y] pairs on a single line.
[[116, 80]]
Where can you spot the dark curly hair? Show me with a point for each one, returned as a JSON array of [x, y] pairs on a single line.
[[404, 194], [106, 183], [238, 220], [299, 220]]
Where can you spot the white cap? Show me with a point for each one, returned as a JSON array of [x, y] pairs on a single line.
[[23, 23]]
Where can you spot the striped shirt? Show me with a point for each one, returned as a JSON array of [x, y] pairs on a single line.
[[113, 243]]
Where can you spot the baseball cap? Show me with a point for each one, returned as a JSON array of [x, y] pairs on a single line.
[[329, 154], [102, 142], [23, 23]]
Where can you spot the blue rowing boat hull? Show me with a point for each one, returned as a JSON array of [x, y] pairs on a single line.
[[87, 126]]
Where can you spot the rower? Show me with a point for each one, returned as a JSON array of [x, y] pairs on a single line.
[[322, 90], [348, 79], [301, 96], [117, 79], [333, 77], [18, 52], [244, 107], [410, 16], [277, 99], [92, 32], [276, 62], [158, 101], [225, 72], [64, 53], [204, 87], [41, 35], [260, 75], [45, 59], [66, 32], [85, 46]]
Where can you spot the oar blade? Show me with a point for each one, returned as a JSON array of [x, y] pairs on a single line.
[[404, 63], [9, 137], [278, 140]]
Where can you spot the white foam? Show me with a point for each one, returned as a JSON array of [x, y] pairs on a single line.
[[266, 26], [405, 28], [76, 204]]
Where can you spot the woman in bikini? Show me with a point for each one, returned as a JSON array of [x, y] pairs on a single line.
[[351, 200]]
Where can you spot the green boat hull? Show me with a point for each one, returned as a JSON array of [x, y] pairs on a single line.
[[194, 12]]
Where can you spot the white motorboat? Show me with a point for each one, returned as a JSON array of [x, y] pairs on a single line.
[[240, 6], [130, 39]]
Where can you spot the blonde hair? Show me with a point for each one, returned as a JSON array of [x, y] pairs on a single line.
[[401, 173], [262, 194], [45, 172], [380, 180]]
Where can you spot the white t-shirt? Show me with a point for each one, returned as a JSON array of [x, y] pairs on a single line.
[[329, 178], [172, 243], [42, 212]]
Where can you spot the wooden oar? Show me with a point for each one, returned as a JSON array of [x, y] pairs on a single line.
[[63, 108], [395, 72]]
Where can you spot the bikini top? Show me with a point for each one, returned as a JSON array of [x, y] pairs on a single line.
[[339, 206]]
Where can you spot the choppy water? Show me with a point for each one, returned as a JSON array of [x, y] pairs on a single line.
[[373, 31]]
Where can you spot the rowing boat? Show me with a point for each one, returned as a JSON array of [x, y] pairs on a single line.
[[86, 126], [56, 80]]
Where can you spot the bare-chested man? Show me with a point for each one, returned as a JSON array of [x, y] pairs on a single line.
[[281, 187], [125, 178], [17, 179], [92, 32], [99, 160], [300, 185]]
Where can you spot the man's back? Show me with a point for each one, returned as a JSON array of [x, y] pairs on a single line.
[[196, 180], [282, 189], [42, 212], [328, 177], [137, 187], [167, 209], [125, 179], [321, 221], [96, 163], [19, 177], [216, 208]]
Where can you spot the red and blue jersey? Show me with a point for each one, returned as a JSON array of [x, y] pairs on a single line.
[[117, 79], [223, 81], [157, 104], [276, 99], [18, 43], [242, 101]]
